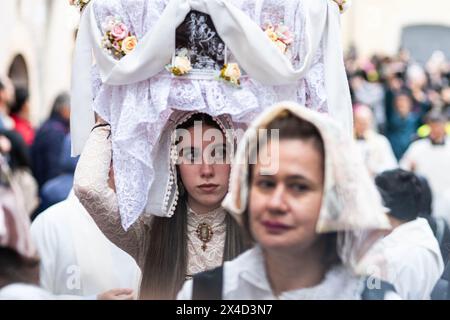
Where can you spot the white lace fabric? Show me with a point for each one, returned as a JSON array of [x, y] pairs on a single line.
[[138, 112], [91, 187]]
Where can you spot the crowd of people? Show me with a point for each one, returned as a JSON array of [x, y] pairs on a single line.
[[177, 195], [408, 104], [39, 158]]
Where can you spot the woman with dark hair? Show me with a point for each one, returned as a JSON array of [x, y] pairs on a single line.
[[20, 113], [192, 232], [310, 207]]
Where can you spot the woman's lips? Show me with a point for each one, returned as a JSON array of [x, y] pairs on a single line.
[[208, 188], [275, 227]]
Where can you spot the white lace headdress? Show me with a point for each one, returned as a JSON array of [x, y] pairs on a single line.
[[136, 95], [249, 44], [351, 203]]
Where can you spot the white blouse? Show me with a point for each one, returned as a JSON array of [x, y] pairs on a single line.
[[245, 278]]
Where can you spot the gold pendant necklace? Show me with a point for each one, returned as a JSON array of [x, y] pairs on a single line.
[[204, 233]]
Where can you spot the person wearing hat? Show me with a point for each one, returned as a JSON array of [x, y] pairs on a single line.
[[311, 209], [430, 157]]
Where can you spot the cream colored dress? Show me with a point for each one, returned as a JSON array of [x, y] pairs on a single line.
[[91, 187]]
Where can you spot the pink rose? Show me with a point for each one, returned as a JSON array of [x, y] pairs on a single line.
[[120, 31], [285, 34]]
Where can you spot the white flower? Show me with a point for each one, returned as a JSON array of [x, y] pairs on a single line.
[[129, 44], [231, 73], [181, 65]]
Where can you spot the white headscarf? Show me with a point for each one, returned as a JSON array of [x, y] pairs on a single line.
[[351, 204]]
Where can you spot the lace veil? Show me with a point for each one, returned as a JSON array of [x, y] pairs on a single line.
[[351, 203]]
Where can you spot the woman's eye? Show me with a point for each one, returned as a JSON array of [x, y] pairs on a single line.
[[265, 184], [219, 154], [190, 155], [298, 187]]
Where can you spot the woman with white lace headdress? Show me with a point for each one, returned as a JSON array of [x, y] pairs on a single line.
[[144, 77], [192, 175], [312, 217]]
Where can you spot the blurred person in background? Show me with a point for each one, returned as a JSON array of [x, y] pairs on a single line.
[[369, 91], [375, 149], [19, 163], [408, 256], [20, 113], [430, 158], [19, 260], [402, 123], [6, 122], [19, 263], [76, 258], [57, 189], [49, 141], [438, 225]]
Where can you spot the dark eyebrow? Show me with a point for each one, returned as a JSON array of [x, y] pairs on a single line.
[[297, 177], [289, 178]]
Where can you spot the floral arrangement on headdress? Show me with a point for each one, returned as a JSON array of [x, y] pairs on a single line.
[[280, 35], [231, 73], [181, 64], [117, 39], [79, 3]]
